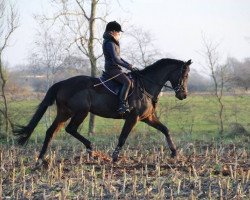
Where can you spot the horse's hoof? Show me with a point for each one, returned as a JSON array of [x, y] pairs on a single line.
[[40, 163], [90, 152], [114, 159], [174, 154], [116, 154]]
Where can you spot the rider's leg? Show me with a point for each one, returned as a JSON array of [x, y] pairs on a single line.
[[123, 105], [126, 83]]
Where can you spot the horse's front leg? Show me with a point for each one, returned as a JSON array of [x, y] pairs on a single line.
[[130, 122], [153, 121]]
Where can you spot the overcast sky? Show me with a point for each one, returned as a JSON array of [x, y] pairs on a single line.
[[176, 26]]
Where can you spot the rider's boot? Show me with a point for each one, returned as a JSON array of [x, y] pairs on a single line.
[[123, 104]]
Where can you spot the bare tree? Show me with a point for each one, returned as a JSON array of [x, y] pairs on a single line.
[[8, 24], [240, 72], [142, 52], [80, 18], [198, 82], [49, 54], [219, 75]]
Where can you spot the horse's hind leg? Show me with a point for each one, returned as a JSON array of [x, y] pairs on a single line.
[[73, 125], [154, 122], [55, 126]]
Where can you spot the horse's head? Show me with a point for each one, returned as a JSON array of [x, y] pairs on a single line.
[[179, 79]]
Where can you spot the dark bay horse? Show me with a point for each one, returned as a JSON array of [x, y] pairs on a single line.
[[77, 96]]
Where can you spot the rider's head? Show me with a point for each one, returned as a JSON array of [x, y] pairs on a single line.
[[114, 28]]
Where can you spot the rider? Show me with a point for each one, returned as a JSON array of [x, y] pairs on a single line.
[[113, 62]]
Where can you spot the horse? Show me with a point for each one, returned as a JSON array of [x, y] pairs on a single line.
[[77, 96]]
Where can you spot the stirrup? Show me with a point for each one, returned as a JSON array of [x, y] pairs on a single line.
[[123, 108]]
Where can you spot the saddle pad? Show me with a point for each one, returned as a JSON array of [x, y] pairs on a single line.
[[111, 85]]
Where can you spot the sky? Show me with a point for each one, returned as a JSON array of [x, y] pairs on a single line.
[[177, 26]]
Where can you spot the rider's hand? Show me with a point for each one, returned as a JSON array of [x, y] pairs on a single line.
[[130, 67]]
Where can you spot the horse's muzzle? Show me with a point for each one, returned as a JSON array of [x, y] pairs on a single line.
[[181, 96]]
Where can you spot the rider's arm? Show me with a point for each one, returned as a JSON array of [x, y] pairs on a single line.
[[110, 47], [124, 61]]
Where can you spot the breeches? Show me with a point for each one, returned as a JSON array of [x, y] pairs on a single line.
[[124, 80]]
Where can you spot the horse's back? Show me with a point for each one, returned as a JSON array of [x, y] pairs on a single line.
[[73, 86], [77, 83]]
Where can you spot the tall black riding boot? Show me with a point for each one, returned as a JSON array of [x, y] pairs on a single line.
[[123, 105]]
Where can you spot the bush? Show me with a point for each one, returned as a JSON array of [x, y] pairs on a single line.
[[237, 129]]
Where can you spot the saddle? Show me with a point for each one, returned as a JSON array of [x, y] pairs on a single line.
[[114, 86]]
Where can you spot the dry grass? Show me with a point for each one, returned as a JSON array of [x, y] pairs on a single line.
[[201, 171]]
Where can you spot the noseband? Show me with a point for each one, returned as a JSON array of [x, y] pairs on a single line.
[[180, 83]]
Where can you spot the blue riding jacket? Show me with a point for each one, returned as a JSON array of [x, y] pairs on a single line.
[[111, 51]]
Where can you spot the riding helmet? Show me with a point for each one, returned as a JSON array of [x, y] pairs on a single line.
[[113, 26]]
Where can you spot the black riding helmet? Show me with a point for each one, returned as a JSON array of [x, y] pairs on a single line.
[[113, 26]]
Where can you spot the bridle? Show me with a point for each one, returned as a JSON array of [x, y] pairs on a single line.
[[180, 85]]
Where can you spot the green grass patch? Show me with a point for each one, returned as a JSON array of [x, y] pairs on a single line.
[[195, 118]]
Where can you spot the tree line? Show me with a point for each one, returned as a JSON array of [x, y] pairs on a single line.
[[34, 77]]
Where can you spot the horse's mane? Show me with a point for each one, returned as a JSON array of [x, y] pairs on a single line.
[[162, 62]]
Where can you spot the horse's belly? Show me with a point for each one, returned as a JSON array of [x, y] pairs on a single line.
[[105, 106]]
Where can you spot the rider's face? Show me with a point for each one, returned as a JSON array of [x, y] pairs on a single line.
[[116, 35]]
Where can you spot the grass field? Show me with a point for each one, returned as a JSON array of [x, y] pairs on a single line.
[[193, 118], [209, 165]]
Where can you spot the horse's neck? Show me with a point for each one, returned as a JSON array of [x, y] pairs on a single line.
[[154, 81]]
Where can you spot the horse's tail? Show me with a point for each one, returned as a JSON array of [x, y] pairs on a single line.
[[23, 133]]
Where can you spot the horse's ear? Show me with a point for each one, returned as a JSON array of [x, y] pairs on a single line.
[[189, 62]]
